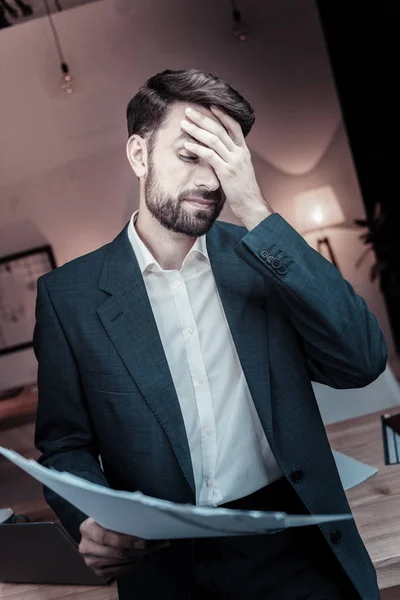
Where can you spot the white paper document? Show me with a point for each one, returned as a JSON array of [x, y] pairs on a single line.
[[352, 472], [149, 518]]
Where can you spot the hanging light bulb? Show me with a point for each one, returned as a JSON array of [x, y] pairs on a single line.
[[239, 29], [67, 81]]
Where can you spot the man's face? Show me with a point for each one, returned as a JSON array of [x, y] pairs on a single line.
[[175, 175]]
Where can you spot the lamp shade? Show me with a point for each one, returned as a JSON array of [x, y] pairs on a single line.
[[317, 209]]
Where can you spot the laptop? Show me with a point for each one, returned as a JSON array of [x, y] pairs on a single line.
[[42, 553]]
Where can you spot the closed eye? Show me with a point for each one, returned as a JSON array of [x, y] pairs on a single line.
[[188, 158]]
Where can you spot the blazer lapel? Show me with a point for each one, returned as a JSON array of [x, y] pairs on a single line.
[[128, 318]]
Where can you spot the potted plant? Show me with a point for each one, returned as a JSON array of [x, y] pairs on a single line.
[[382, 236]]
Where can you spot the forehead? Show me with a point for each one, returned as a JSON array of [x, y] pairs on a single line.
[[171, 129]]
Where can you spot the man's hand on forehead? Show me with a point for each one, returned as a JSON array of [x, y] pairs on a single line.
[[221, 143]]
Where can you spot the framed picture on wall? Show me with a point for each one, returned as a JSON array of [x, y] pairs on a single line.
[[18, 286]]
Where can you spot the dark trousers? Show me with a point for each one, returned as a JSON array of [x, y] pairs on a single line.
[[293, 564]]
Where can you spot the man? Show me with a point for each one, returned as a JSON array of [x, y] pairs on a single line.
[[182, 355]]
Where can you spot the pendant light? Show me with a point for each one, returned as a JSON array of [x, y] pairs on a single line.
[[67, 82]]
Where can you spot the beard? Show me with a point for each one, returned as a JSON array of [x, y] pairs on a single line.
[[172, 213]]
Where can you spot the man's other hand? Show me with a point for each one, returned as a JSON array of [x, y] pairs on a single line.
[[110, 554]]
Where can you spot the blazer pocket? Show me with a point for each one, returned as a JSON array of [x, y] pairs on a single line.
[[112, 383]]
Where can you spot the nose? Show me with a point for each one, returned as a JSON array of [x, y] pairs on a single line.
[[206, 178]]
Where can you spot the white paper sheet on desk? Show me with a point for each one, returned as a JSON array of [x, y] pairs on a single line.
[[136, 514], [352, 471]]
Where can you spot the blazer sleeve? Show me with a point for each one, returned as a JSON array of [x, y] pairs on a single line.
[[343, 343], [63, 431]]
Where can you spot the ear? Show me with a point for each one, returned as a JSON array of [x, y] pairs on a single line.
[[136, 151]]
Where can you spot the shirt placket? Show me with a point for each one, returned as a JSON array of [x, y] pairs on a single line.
[[201, 388]]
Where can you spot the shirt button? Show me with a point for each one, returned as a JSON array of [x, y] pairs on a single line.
[[178, 284], [189, 330], [297, 476], [207, 430], [208, 483], [201, 380]]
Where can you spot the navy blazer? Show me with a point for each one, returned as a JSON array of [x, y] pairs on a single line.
[[105, 387]]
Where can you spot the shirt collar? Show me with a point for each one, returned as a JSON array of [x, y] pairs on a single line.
[[145, 258]]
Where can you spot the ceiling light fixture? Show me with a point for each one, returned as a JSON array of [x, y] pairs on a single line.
[[239, 29], [67, 82]]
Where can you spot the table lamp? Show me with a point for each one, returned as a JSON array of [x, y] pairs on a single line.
[[318, 209]]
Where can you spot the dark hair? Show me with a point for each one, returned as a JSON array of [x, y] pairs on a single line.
[[148, 109]]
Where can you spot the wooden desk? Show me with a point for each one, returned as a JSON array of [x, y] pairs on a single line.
[[375, 502], [9, 591]]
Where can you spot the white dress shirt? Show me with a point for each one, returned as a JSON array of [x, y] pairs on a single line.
[[230, 454]]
